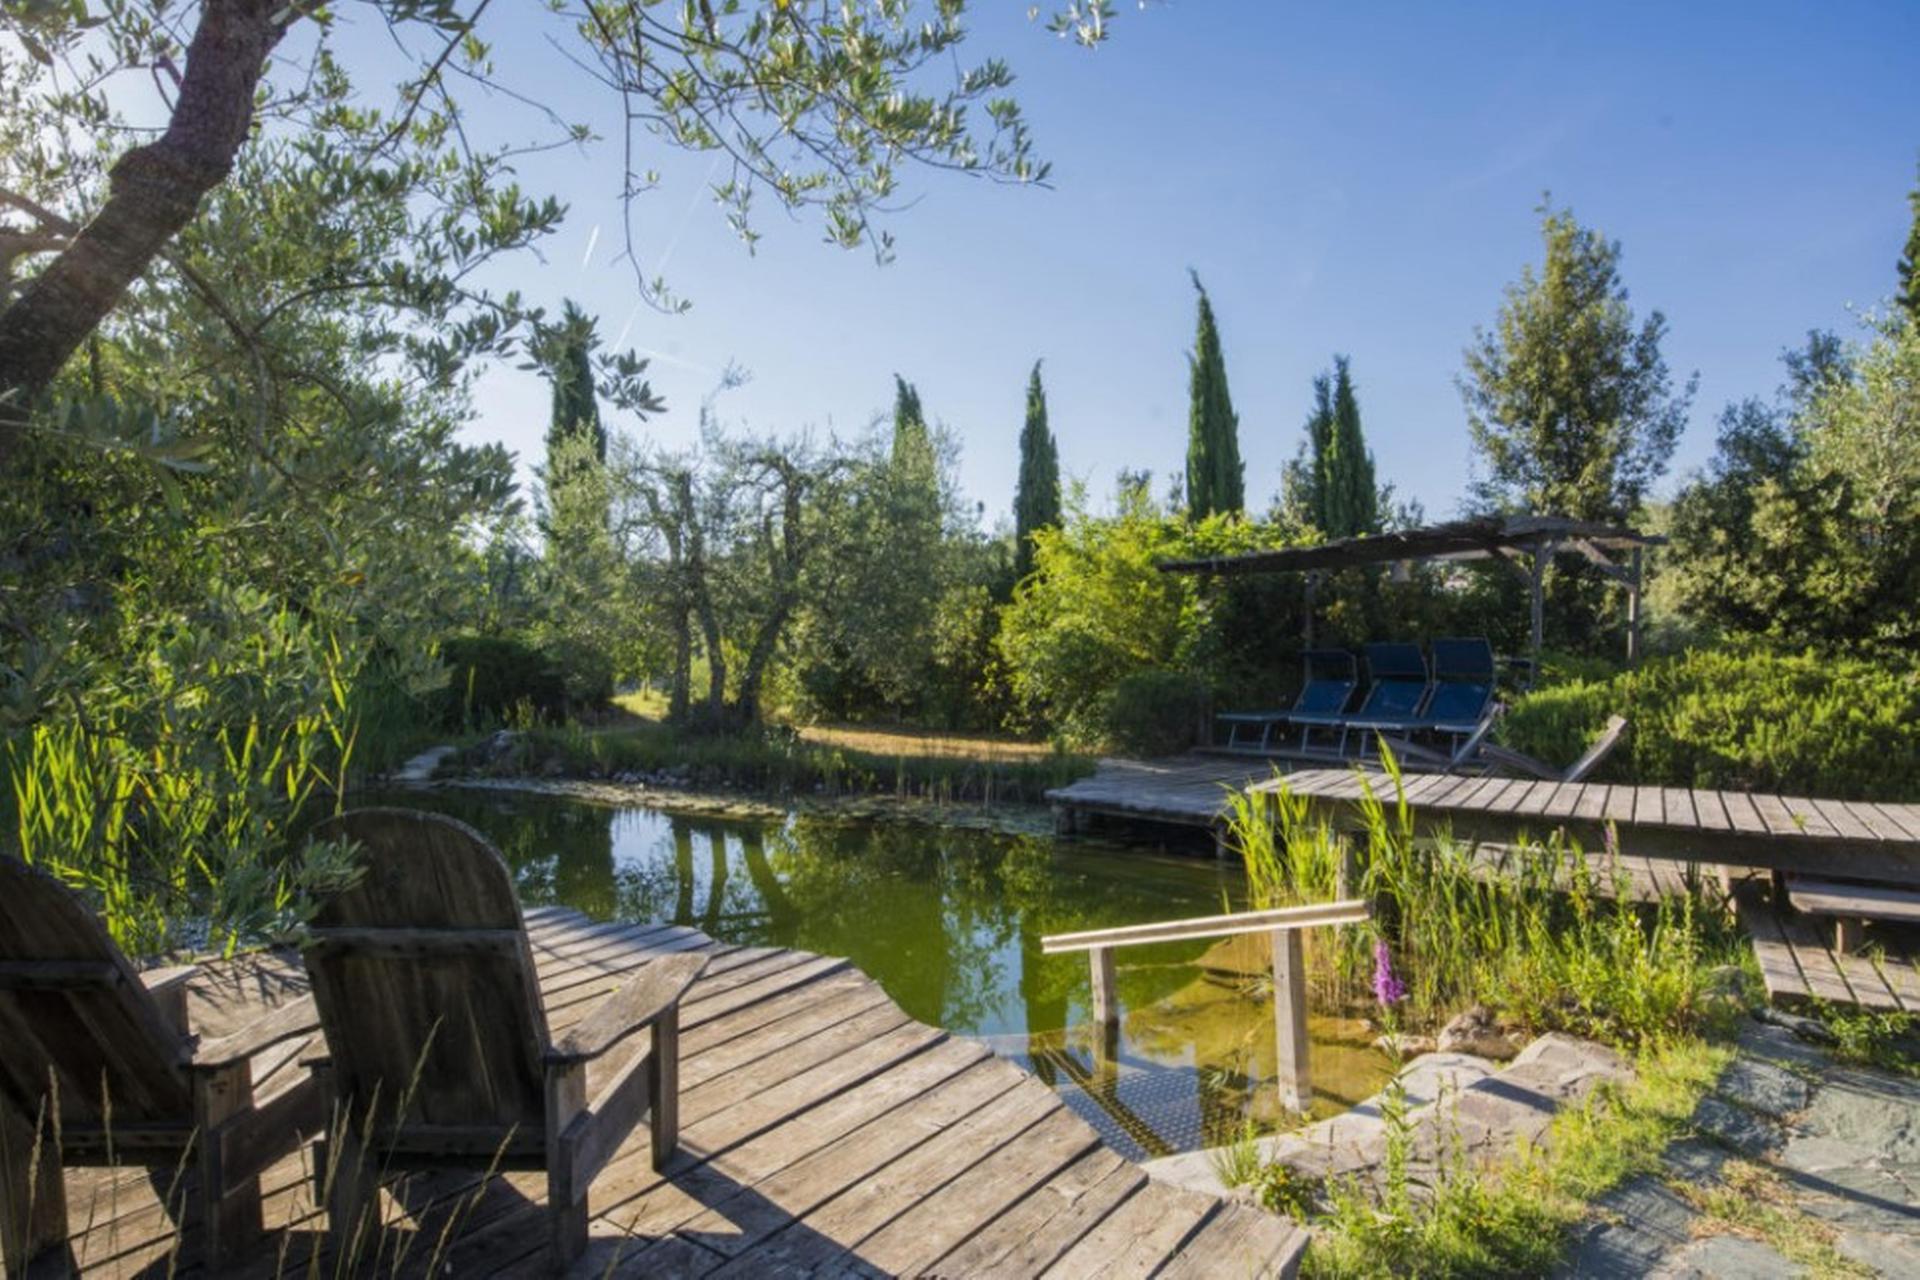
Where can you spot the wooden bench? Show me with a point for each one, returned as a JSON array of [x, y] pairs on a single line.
[[1851, 904]]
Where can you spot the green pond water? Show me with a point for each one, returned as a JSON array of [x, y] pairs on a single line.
[[949, 922]]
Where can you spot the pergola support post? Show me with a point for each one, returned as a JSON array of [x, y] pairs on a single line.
[[1633, 607]]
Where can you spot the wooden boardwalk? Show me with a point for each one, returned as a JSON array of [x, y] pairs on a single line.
[[1800, 966], [1189, 790], [1792, 833], [823, 1132]]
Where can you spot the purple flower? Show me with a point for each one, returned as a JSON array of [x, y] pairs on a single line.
[[1387, 988]]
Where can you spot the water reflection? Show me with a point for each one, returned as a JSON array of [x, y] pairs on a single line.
[[950, 922]]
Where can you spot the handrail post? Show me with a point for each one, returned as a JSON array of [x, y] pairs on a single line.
[[1290, 1020], [1106, 1007]]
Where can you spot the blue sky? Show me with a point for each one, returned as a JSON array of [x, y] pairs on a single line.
[[1357, 178]]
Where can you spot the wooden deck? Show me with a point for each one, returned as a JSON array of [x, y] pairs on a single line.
[[1794, 833], [823, 1132], [1189, 790], [1800, 966]]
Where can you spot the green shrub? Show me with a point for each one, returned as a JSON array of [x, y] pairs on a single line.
[[1154, 713], [1742, 719], [490, 676]]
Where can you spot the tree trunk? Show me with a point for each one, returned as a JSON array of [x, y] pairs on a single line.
[[153, 191]]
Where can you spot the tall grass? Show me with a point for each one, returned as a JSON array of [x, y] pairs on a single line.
[[1539, 931]]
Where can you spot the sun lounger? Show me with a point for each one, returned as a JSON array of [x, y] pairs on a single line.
[[1461, 701], [1328, 684], [1400, 687]]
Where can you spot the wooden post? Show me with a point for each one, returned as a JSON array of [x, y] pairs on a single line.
[[1290, 1020], [1106, 1008], [1537, 587], [1633, 609], [1848, 934], [1306, 625]]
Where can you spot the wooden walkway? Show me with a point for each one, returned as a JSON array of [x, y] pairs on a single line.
[[1793, 833], [823, 1132], [1189, 790], [1799, 965]]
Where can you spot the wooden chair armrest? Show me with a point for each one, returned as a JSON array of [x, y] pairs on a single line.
[[638, 1004], [160, 981], [298, 1018], [1494, 753]]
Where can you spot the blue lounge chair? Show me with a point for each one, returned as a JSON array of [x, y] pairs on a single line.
[[1461, 702], [1398, 692], [1329, 682]]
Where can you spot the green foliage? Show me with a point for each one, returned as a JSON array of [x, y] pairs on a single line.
[[1515, 1220], [1333, 479], [1878, 1038], [1552, 943], [1097, 609], [1154, 713], [1570, 405], [1909, 294], [180, 787], [566, 352], [1742, 719], [492, 677], [1036, 496], [1216, 478], [1806, 527]]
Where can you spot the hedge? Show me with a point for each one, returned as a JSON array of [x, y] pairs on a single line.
[[1808, 724]]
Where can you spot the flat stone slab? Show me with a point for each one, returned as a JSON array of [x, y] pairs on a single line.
[[1456, 1103], [1843, 1141]]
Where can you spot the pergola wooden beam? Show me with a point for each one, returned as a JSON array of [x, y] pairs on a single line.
[[1528, 543]]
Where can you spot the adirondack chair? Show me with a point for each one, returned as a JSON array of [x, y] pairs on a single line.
[[438, 1049], [98, 1063]]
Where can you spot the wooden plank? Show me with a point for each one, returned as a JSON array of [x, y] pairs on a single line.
[[1621, 803], [1744, 814], [1823, 976], [1779, 972], [1861, 901], [913, 1240], [1843, 820], [1591, 802], [1711, 811], [1868, 980], [1348, 911], [1681, 811], [1048, 1221], [1138, 1237], [1880, 824], [1238, 1241], [1902, 817], [852, 1211]]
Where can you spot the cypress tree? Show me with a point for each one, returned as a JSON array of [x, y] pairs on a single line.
[[568, 350], [1349, 501], [1216, 480], [1909, 295], [910, 437], [1036, 500]]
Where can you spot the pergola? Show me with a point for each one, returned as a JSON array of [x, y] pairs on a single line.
[[1527, 543]]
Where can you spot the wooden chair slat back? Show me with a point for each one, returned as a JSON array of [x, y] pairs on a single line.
[[74, 1017], [422, 1028]]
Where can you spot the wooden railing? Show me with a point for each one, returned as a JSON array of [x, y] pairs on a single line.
[[1289, 970]]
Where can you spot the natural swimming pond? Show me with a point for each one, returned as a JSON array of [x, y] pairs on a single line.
[[949, 922]]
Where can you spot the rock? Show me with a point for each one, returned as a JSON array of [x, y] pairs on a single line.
[[1720, 1257], [1403, 1045], [1763, 1087], [1736, 1127], [1806, 1028], [1477, 1032]]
